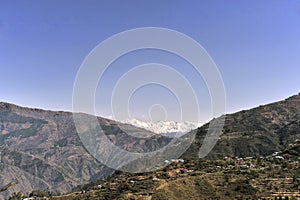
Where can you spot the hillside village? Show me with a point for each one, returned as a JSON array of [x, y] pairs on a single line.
[[275, 176]]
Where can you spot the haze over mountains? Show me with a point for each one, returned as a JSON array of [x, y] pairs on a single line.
[[41, 149]]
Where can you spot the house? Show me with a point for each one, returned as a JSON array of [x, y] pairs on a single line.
[[279, 157], [291, 145], [286, 155], [183, 170], [275, 153], [244, 166], [226, 158]]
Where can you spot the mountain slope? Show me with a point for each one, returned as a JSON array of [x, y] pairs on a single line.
[[255, 132], [258, 132], [264, 178], [41, 149]]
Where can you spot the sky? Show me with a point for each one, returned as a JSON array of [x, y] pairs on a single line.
[[255, 45]]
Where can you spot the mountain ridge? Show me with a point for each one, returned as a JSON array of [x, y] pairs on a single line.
[[32, 139], [258, 131], [44, 146], [164, 127]]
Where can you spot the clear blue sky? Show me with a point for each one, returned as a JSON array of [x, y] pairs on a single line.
[[255, 44]]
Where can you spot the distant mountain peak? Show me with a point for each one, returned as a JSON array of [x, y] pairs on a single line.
[[163, 127]]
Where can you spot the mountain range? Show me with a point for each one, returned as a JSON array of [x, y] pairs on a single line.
[[41, 149], [166, 128]]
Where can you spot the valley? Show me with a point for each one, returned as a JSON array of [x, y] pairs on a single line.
[[40, 150]]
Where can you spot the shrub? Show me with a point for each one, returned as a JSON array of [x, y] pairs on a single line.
[[37, 193]]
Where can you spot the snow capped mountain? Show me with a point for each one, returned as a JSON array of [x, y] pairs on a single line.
[[166, 128]]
